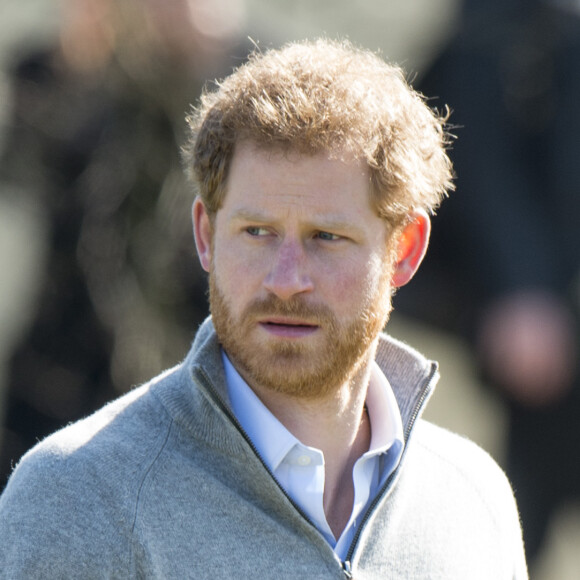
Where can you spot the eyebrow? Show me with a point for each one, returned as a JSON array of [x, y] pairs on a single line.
[[250, 215], [323, 223]]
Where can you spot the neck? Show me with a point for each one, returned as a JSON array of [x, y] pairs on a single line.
[[330, 423]]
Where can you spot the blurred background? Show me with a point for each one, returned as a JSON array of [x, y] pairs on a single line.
[[100, 287]]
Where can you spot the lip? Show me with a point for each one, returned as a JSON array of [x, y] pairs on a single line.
[[288, 327]]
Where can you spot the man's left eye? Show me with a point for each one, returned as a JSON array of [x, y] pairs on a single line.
[[327, 236]]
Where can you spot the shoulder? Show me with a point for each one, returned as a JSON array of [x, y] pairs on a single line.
[[72, 498], [457, 488], [450, 512], [456, 457], [464, 478]]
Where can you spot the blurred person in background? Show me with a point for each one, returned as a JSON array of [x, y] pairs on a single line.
[[506, 249], [94, 142]]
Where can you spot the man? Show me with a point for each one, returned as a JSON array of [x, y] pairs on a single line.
[[288, 443]]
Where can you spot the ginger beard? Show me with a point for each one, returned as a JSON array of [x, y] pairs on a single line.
[[303, 369]]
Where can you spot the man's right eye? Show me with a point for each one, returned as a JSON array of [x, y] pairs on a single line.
[[257, 231]]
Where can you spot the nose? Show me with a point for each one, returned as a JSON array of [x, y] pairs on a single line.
[[288, 274]]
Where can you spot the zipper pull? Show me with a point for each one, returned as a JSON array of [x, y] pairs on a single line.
[[347, 568]]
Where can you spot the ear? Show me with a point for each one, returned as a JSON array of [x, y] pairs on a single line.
[[202, 231], [412, 246]]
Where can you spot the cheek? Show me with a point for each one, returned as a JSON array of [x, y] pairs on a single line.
[[238, 278], [354, 285], [375, 279]]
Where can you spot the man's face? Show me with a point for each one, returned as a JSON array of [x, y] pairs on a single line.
[[299, 270]]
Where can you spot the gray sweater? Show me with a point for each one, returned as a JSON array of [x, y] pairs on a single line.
[[162, 483]]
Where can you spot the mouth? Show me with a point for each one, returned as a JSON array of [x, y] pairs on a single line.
[[288, 328]]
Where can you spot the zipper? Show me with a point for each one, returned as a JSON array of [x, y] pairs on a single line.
[[413, 418]]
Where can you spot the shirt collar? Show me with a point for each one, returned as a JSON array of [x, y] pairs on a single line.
[[270, 437], [273, 441], [383, 410]]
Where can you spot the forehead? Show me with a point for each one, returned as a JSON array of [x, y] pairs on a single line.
[[325, 182]]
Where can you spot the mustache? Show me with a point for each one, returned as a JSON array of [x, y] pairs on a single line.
[[296, 307]]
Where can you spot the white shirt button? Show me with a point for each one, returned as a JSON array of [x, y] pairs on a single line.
[[303, 460]]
